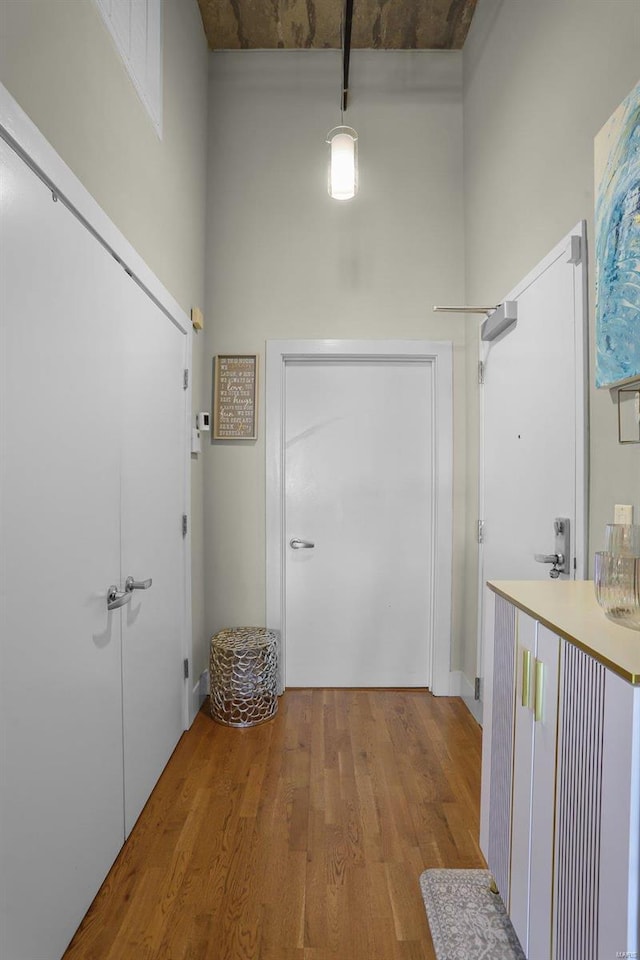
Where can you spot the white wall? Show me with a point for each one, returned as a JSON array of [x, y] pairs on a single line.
[[58, 60], [285, 261], [540, 79]]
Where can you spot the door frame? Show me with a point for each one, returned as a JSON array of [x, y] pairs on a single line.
[[439, 354], [22, 135], [573, 248]]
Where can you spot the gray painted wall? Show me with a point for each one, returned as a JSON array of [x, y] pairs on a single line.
[[282, 260], [540, 80], [57, 59], [285, 261]]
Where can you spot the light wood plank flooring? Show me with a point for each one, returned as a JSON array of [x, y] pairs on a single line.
[[301, 839]]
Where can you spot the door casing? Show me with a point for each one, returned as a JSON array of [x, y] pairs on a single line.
[[440, 355]]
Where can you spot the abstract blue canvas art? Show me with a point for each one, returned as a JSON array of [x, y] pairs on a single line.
[[617, 220]]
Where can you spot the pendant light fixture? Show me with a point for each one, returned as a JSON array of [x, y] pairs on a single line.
[[343, 141], [343, 163]]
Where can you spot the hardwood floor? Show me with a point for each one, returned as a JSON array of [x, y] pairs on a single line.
[[301, 839]]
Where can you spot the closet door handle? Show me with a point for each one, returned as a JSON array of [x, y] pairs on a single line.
[[116, 599], [539, 691], [526, 676], [131, 584]]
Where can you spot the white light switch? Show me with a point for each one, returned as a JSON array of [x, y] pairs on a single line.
[[623, 513]]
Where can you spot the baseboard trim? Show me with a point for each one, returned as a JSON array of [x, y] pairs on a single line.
[[475, 708], [198, 693], [460, 686]]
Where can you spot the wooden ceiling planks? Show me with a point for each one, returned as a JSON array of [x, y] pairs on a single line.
[[299, 24]]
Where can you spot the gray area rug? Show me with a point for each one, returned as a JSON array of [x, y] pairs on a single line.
[[467, 921]]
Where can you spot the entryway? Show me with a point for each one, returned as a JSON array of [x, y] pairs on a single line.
[[359, 511]]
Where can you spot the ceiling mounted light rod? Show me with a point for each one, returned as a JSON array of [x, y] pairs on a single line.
[[346, 51], [343, 141]]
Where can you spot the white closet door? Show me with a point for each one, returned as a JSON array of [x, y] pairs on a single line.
[[153, 457], [61, 763]]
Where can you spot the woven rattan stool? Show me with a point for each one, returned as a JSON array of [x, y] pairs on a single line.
[[243, 675]]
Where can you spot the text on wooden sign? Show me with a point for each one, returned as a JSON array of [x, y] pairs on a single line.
[[235, 381]]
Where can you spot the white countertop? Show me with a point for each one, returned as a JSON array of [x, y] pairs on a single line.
[[569, 608]]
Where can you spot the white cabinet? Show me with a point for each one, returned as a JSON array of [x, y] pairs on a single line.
[[536, 718], [544, 711], [516, 896], [619, 839], [564, 807], [598, 813]]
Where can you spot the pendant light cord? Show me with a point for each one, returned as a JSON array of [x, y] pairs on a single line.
[[347, 18], [342, 77]]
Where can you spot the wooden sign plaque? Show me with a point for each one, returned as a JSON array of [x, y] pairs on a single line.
[[235, 397]]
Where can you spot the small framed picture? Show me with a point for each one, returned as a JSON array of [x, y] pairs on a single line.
[[235, 397], [629, 415]]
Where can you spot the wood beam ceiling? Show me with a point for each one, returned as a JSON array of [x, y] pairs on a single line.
[[315, 24]]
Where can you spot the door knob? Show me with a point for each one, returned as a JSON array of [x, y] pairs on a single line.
[[117, 599], [296, 544], [131, 584], [557, 559]]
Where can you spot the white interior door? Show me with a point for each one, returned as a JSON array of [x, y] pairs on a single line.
[[359, 487], [61, 769], [533, 449], [153, 499]]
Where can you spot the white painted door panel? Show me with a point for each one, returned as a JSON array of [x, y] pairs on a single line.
[[152, 544], [530, 429], [534, 786], [543, 795], [61, 773], [358, 475], [532, 443], [92, 422], [518, 896]]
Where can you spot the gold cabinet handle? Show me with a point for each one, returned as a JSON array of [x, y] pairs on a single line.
[[526, 676], [539, 690]]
